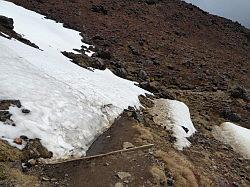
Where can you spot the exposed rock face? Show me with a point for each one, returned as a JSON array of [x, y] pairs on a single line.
[[34, 149], [7, 22]]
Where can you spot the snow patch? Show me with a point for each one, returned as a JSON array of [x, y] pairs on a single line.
[[45, 33], [174, 115], [70, 106], [235, 136]]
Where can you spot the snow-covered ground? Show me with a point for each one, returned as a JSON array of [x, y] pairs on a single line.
[[174, 115], [235, 136], [70, 106], [45, 33]]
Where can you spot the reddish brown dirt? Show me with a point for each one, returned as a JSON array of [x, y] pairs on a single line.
[[195, 50]]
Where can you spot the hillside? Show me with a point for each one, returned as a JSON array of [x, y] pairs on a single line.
[[175, 52]]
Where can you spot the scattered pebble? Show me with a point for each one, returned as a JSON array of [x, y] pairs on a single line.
[[45, 179], [18, 141], [106, 164], [25, 111], [126, 181], [32, 162], [23, 137], [185, 129], [127, 145], [122, 175]]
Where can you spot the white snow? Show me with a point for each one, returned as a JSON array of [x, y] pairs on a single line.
[[45, 33], [174, 115], [235, 136], [70, 106]]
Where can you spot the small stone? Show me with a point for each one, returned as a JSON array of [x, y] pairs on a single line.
[[32, 162], [25, 111], [121, 72], [143, 74], [106, 164], [23, 137], [224, 148], [18, 141], [99, 9], [185, 129], [133, 50], [126, 181], [148, 62], [45, 179], [129, 114], [127, 145], [235, 184], [122, 175], [241, 159]]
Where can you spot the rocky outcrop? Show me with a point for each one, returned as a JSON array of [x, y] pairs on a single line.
[[7, 22]]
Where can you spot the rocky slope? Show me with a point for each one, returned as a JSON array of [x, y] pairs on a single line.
[[176, 51], [163, 45]]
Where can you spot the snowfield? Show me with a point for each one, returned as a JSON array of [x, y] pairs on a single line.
[[235, 136], [70, 106], [45, 33], [174, 115]]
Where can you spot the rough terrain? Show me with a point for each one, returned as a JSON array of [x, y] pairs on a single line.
[[176, 51]]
